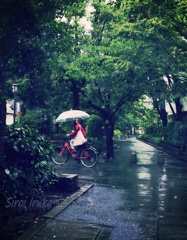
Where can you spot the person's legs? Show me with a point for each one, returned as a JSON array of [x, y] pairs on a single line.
[[71, 145], [78, 150]]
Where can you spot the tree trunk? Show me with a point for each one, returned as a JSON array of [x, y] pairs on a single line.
[[160, 106], [163, 115], [179, 107], [109, 132], [177, 116], [108, 120], [76, 96]]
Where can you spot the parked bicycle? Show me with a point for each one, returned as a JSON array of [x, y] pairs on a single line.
[[88, 155]]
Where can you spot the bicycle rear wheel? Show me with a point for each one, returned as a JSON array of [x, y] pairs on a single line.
[[89, 157], [62, 155]]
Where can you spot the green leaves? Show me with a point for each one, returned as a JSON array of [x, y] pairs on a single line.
[[26, 158]]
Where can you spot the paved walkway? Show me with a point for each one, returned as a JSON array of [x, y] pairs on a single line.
[[143, 201], [49, 227]]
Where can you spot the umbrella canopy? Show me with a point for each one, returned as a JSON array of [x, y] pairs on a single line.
[[72, 115]]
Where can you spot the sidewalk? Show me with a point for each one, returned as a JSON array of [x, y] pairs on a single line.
[[126, 201], [182, 155], [49, 228]]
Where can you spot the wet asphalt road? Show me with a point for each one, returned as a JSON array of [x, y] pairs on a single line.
[[137, 201]]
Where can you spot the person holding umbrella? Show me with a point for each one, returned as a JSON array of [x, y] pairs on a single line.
[[79, 135]]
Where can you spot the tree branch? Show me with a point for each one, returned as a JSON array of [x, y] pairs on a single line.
[[121, 102]]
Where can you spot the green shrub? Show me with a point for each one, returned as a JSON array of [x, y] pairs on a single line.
[[151, 138], [25, 169], [152, 130], [95, 128], [117, 133], [177, 133], [95, 132], [37, 120], [99, 144]]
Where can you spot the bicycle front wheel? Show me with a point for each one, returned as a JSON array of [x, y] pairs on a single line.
[[89, 157], [62, 155]]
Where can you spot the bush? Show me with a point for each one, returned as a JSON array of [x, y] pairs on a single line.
[[99, 144], [95, 132], [177, 133], [95, 128], [27, 154], [151, 138], [117, 133], [152, 130], [25, 170], [37, 120]]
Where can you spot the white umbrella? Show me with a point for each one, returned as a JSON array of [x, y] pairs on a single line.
[[72, 115]]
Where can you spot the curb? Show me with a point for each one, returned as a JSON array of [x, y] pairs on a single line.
[[29, 233], [55, 211], [164, 150]]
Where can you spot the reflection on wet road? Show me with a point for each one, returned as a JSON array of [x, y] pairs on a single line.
[[157, 194]]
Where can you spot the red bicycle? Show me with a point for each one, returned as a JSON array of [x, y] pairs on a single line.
[[88, 155]]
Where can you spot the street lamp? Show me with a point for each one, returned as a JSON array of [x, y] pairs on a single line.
[[14, 90]]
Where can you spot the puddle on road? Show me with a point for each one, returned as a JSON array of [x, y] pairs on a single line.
[[144, 175]]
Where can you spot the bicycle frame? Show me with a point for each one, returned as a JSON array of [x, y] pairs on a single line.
[[67, 145], [87, 155]]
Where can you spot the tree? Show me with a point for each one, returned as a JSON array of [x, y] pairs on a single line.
[[162, 25], [27, 29], [19, 24], [108, 68]]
